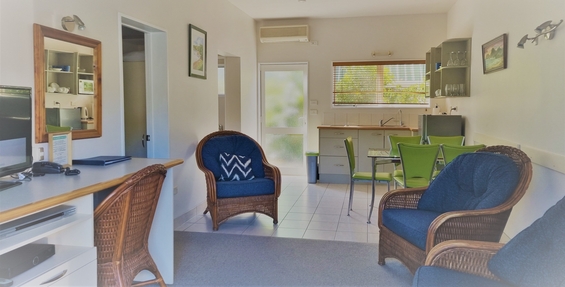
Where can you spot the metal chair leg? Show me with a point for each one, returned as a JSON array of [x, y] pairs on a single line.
[[351, 189]]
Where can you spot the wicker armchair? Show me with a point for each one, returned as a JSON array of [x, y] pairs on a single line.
[[534, 257], [229, 197], [485, 223], [122, 223]]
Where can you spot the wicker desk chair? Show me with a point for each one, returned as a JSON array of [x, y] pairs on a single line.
[[534, 257], [501, 171], [122, 223], [227, 197]]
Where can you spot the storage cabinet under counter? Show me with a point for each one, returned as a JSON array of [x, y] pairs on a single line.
[[73, 262], [333, 163]]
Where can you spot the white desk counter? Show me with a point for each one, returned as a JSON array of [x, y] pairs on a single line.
[[54, 189]]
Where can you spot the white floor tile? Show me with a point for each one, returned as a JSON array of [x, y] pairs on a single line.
[[310, 211]]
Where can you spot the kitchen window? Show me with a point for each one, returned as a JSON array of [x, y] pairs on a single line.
[[380, 84]]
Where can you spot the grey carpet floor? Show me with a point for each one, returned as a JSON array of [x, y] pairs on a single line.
[[216, 259]]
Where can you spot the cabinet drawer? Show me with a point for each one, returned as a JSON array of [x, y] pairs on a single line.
[[335, 147], [85, 276], [338, 133], [334, 165], [58, 272]]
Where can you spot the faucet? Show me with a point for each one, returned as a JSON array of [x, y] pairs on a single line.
[[382, 124]]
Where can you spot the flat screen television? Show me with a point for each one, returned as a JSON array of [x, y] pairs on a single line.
[[15, 133]]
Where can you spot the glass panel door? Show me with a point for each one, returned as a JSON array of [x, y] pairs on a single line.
[[283, 123]]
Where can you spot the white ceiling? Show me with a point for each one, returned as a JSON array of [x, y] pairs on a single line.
[[284, 9]]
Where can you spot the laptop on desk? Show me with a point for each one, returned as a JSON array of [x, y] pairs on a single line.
[[102, 160]]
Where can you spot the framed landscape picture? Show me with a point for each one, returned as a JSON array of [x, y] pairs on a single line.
[[495, 54], [197, 52]]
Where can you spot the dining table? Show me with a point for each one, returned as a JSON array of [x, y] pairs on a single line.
[[379, 156]]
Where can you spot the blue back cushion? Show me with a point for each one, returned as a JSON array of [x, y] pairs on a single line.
[[536, 256], [472, 181], [232, 144]]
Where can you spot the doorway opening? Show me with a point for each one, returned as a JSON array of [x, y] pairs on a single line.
[[148, 77], [284, 90]]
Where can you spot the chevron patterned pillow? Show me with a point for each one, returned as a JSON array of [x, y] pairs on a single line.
[[235, 167]]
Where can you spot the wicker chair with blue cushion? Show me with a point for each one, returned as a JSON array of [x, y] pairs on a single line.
[[534, 257], [239, 178], [470, 199]]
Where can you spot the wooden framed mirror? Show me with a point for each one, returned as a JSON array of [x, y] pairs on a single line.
[[68, 84]]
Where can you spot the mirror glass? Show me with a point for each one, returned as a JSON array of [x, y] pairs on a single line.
[[67, 84]]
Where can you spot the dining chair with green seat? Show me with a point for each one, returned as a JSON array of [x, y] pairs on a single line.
[[451, 140], [394, 140], [450, 152], [361, 175], [418, 164]]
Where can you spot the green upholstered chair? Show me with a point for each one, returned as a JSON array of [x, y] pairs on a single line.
[[418, 164], [451, 140], [394, 140], [450, 152], [361, 175]]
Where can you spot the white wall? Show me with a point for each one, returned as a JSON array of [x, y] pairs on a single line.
[[523, 104], [193, 103], [353, 39]]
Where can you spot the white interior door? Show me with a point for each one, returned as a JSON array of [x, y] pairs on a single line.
[[284, 90]]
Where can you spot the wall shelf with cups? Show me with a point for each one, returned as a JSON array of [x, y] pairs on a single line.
[[449, 69]]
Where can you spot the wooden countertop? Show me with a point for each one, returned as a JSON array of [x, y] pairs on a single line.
[[343, 127], [53, 189]]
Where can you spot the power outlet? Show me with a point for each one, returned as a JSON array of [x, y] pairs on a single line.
[[454, 108], [38, 154]]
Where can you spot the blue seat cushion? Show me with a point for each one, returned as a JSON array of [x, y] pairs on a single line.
[[430, 276], [410, 224], [536, 255], [232, 144], [257, 186], [472, 181]]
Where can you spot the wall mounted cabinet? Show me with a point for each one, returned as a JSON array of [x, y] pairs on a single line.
[[448, 69]]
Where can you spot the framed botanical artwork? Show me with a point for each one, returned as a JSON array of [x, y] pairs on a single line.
[[85, 87], [196, 52], [495, 54]]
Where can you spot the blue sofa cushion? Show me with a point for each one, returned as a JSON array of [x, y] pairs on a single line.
[[472, 181], [536, 255], [257, 186], [235, 167], [429, 276], [232, 144], [410, 224]]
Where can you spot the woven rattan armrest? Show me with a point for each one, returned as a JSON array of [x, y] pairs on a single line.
[[273, 172], [480, 225], [406, 198], [465, 256]]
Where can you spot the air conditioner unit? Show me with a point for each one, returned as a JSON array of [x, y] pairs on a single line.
[[277, 34]]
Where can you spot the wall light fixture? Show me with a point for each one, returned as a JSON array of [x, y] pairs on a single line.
[[69, 22], [546, 29]]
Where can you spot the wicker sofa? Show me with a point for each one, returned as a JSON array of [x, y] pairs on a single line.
[[413, 220], [228, 197], [534, 257]]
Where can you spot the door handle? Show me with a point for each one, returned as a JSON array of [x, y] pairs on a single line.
[[144, 138]]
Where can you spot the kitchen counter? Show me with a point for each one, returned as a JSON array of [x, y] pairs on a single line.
[[368, 127]]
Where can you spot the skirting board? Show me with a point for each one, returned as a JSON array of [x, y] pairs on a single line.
[[540, 157]]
